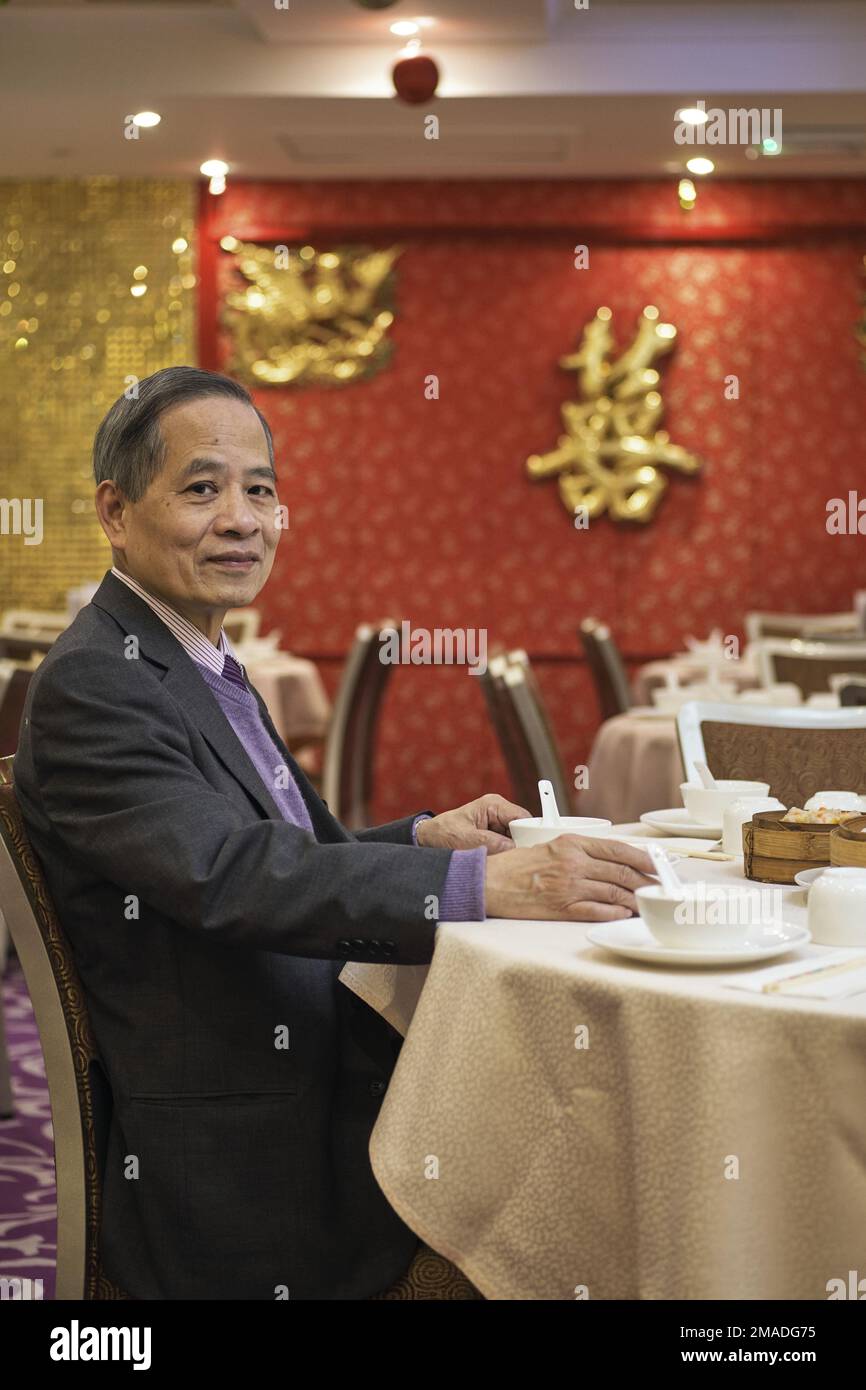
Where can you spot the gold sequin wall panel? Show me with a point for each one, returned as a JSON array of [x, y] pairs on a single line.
[[97, 286]]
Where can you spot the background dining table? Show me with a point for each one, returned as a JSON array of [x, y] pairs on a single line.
[[292, 689], [687, 668], [634, 766], [563, 1123]]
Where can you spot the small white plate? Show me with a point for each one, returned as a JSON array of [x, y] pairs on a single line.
[[677, 821], [632, 938], [806, 877]]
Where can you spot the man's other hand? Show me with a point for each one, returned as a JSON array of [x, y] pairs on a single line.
[[481, 822]]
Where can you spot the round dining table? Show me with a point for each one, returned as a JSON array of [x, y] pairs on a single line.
[[563, 1123], [634, 766]]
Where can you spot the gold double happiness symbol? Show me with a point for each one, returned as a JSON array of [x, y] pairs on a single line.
[[611, 456]]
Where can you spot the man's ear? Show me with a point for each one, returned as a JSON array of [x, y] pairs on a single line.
[[111, 510]]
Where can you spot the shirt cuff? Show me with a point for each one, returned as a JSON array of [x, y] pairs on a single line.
[[462, 898], [425, 815]]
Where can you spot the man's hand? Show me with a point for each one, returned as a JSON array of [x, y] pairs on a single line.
[[482, 822], [572, 879]]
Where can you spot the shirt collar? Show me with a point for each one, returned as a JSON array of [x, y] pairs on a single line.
[[194, 643]]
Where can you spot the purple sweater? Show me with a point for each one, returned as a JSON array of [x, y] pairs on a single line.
[[462, 898]]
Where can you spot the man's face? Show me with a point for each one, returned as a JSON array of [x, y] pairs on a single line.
[[204, 535]]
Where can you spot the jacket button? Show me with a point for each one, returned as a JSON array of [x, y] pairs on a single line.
[[378, 1088], [389, 947], [360, 945], [344, 947]]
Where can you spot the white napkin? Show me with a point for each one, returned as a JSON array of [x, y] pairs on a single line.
[[820, 986], [392, 990]]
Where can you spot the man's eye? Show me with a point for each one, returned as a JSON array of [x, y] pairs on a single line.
[[197, 487], [263, 490]]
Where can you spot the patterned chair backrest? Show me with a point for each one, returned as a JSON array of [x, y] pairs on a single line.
[[606, 667], [808, 665], [77, 1086], [798, 751], [347, 767]]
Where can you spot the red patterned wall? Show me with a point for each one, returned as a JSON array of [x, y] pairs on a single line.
[[420, 509]]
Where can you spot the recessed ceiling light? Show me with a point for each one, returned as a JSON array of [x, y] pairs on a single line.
[[693, 115], [214, 168], [405, 27], [147, 119], [700, 165]]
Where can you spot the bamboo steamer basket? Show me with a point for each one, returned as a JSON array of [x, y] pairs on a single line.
[[775, 850], [848, 844]]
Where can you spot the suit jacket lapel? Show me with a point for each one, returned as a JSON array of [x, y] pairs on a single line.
[[158, 644]]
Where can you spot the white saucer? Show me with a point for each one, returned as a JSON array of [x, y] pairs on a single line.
[[677, 821], [632, 938], [675, 848], [806, 877]]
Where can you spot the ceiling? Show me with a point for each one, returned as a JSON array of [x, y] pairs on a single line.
[[529, 88]]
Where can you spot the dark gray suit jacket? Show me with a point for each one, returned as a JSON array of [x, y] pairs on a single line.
[[204, 926]]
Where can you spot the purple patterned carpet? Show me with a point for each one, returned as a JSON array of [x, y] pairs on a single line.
[[28, 1227]]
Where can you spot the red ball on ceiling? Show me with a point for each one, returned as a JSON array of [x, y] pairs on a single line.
[[415, 79]]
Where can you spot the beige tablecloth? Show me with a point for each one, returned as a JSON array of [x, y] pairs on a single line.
[[634, 766], [543, 1169], [293, 691]]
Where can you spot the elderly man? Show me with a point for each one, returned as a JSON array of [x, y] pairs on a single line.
[[211, 898]]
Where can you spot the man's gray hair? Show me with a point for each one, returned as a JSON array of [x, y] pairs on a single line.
[[129, 448]]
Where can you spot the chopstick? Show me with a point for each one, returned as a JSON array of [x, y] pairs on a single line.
[[775, 986], [703, 854]]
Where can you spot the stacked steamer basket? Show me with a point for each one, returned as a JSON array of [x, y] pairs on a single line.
[[775, 850], [848, 844]]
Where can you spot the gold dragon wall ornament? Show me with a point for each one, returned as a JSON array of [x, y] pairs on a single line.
[[308, 317], [611, 455]]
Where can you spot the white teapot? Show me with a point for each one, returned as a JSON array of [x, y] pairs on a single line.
[[736, 815], [837, 907]]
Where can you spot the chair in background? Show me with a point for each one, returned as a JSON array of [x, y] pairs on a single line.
[[20, 648], [606, 668], [78, 1089], [32, 622], [524, 731], [819, 625], [12, 708], [798, 751], [242, 624], [504, 722], [347, 770], [808, 665]]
